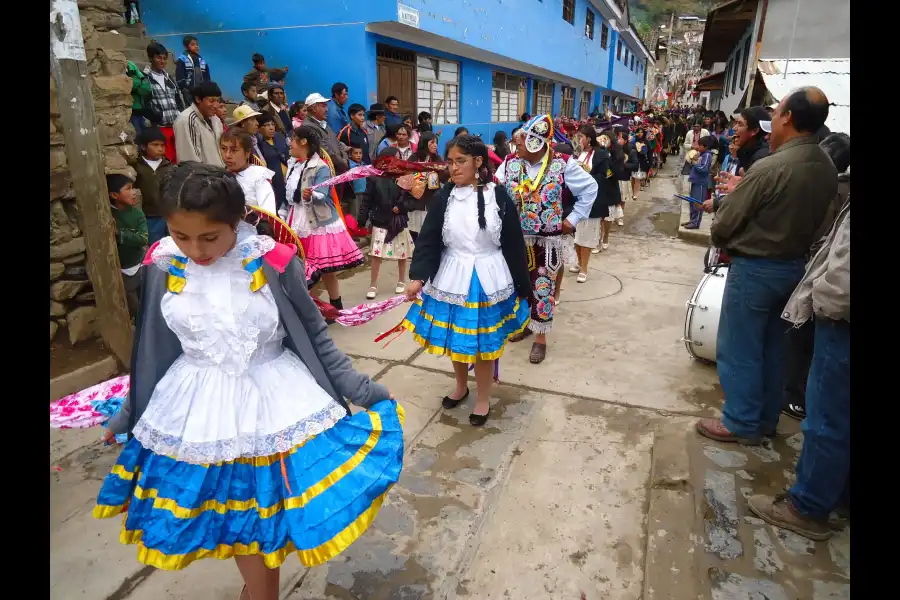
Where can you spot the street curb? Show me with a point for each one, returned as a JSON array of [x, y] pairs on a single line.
[[700, 236], [82, 378], [671, 518]]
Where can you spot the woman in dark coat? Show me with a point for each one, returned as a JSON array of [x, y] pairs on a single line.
[[594, 158]]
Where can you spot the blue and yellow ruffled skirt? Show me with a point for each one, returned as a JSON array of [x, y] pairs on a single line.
[[317, 502], [477, 331]]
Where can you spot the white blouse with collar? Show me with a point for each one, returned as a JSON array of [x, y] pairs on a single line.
[[470, 249]]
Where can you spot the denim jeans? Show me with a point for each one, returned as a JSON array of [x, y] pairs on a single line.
[[797, 360], [751, 340], [156, 229], [823, 471], [698, 192]]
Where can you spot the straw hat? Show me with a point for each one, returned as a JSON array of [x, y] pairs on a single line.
[[242, 113]]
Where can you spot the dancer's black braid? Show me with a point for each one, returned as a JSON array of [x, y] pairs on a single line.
[[471, 145]]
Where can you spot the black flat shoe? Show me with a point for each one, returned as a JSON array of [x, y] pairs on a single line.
[[795, 411], [478, 420], [449, 402]]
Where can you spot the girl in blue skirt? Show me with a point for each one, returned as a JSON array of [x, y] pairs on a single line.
[[471, 268], [241, 443]]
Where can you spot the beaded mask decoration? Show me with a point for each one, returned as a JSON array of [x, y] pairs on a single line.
[[538, 132]]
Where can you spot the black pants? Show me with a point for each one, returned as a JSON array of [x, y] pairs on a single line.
[[798, 358]]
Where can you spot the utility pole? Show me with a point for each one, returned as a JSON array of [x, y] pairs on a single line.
[[68, 67]]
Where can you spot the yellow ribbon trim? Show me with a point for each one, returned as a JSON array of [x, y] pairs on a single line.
[[466, 330], [257, 277], [265, 512], [455, 356], [526, 185], [273, 560]]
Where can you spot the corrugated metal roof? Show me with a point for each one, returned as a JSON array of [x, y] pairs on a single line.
[[832, 76]]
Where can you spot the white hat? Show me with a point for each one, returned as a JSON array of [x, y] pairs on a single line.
[[766, 126], [315, 98]]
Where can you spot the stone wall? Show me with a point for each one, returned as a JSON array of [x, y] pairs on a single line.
[[73, 311]]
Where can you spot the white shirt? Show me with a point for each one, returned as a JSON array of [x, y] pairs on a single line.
[[153, 164], [160, 78], [579, 182], [255, 181], [689, 138], [470, 249]]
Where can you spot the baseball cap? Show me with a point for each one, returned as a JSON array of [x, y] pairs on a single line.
[[315, 98]]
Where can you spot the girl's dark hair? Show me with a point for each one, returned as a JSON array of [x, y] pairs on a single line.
[[422, 153], [471, 145], [390, 131], [264, 119], [236, 134], [460, 131], [294, 109], [424, 115], [501, 147], [199, 187], [590, 133], [305, 132]]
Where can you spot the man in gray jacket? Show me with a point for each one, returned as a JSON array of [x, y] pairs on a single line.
[[823, 470]]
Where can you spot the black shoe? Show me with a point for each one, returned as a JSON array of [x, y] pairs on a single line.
[[338, 304], [449, 402], [478, 420], [795, 411]]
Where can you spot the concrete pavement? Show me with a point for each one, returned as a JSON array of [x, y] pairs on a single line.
[[580, 485]]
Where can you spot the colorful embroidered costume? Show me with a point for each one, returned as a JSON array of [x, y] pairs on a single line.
[[476, 281], [540, 190], [243, 444]]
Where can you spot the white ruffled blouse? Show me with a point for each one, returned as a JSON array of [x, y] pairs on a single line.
[[236, 391], [256, 181], [468, 249]]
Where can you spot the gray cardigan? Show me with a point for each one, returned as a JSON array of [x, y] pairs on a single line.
[[156, 347]]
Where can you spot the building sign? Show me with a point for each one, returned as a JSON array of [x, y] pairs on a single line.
[[407, 15]]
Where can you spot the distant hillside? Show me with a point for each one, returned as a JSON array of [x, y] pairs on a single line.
[[653, 13]]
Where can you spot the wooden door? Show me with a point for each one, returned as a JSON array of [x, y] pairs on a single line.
[[397, 77]]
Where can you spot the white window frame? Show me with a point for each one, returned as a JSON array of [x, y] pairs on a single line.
[[505, 98], [443, 105]]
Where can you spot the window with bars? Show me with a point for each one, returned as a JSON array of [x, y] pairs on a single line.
[[543, 98], [632, 62], [589, 25], [567, 106], [734, 71], [619, 50], [437, 88], [507, 97], [727, 78], [604, 35], [585, 108], [569, 11]]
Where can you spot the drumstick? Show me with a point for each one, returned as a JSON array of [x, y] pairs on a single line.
[[689, 199]]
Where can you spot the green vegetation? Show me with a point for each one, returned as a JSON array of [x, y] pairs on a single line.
[[653, 13]]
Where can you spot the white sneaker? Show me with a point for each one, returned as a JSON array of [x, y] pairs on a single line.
[[574, 269], [596, 250], [605, 246], [582, 277], [620, 223], [401, 287], [370, 295]]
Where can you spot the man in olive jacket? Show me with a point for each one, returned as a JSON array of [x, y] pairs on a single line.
[[767, 225]]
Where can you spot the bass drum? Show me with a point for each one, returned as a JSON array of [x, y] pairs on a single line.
[[714, 257], [701, 323]]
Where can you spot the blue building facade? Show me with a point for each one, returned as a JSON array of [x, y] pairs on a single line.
[[473, 63]]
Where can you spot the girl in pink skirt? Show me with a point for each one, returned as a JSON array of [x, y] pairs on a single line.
[[314, 217]]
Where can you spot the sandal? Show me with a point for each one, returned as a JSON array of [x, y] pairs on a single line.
[[538, 353], [582, 277], [449, 402], [574, 269], [370, 295], [401, 287]]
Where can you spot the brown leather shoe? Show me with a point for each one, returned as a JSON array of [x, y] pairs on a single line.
[[538, 353], [780, 512], [521, 335], [715, 430]]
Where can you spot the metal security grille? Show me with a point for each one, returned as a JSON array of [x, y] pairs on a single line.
[[567, 106], [589, 25], [543, 98], [506, 97], [569, 11], [604, 35], [383, 51], [437, 88]]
